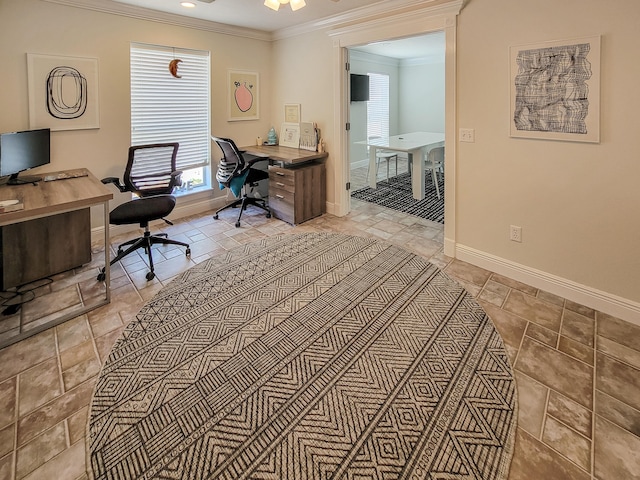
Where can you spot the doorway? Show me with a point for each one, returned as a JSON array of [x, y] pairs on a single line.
[[431, 19], [406, 80]]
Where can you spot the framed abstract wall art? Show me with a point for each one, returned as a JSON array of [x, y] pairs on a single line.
[[63, 92], [555, 90], [243, 96]]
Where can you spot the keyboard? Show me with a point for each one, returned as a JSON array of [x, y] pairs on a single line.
[[64, 176]]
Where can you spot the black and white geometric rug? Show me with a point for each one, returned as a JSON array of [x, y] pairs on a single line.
[[310, 356], [396, 194]]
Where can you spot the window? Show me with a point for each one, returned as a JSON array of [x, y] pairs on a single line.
[[378, 106], [165, 108]]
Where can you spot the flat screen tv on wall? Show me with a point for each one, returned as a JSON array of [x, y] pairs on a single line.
[[359, 87]]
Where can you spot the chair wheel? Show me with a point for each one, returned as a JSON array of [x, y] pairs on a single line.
[[215, 217], [119, 250], [102, 277], [188, 252], [150, 276], [238, 224], [268, 214]]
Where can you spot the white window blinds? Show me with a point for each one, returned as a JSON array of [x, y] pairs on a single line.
[[378, 106], [169, 109]]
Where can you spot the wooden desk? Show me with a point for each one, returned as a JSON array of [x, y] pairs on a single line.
[[285, 156], [50, 202], [297, 181]]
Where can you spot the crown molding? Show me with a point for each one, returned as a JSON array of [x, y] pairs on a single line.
[[396, 12], [380, 11], [122, 9]]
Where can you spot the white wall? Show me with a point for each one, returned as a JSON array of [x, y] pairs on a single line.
[[421, 99]]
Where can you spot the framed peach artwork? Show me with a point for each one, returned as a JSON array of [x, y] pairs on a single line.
[[244, 95]]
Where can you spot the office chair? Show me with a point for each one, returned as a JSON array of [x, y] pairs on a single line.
[[235, 173], [151, 175]]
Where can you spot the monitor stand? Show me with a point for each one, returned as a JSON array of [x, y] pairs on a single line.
[[23, 180]]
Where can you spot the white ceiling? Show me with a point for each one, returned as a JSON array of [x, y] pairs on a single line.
[[253, 14]]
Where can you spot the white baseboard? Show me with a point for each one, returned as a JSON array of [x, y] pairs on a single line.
[[590, 297]]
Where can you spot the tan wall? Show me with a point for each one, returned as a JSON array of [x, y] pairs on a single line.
[[32, 26], [578, 203]]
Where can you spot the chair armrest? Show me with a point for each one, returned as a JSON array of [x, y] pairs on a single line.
[[116, 182], [176, 179]]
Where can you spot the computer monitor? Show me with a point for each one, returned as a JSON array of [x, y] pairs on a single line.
[[20, 151]]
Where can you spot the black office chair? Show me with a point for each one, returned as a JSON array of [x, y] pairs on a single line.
[[150, 174], [235, 173]]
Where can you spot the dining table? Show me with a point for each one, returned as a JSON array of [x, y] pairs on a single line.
[[415, 144]]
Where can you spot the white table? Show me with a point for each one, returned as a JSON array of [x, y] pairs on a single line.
[[416, 144]]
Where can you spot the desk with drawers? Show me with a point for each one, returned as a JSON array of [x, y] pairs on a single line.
[[297, 182]]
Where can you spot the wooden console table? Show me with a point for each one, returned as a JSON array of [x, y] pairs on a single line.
[[50, 210], [297, 181]]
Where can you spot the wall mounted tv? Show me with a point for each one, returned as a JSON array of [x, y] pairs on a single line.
[[359, 88], [20, 151]]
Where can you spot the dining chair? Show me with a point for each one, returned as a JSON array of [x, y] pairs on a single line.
[[434, 161], [386, 155]]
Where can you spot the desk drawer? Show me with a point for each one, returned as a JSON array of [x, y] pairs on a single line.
[[282, 178], [281, 204]]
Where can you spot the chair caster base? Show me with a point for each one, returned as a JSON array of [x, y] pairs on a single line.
[[102, 276], [150, 276], [215, 217], [237, 224]]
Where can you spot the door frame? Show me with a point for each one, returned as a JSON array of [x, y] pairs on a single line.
[[417, 21]]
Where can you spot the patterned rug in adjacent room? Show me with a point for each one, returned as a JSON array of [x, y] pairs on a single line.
[[396, 194], [308, 356]]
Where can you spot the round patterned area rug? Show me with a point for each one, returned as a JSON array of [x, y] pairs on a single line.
[[309, 356]]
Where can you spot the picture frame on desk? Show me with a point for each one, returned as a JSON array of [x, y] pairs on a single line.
[[290, 135]]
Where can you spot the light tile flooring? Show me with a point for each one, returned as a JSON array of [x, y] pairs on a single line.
[[577, 370]]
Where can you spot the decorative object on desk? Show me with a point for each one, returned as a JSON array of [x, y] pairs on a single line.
[[567, 72], [290, 135], [173, 67], [272, 137], [316, 355], [292, 113], [243, 96], [10, 205], [396, 194], [63, 92], [308, 136]]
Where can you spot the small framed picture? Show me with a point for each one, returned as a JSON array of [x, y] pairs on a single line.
[[292, 113], [290, 135]]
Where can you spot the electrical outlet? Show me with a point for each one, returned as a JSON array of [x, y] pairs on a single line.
[[515, 233], [467, 135]]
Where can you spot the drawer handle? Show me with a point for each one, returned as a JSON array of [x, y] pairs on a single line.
[[280, 173], [279, 196], [280, 184]]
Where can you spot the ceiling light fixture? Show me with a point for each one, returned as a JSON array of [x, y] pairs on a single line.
[[275, 4], [188, 4]]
